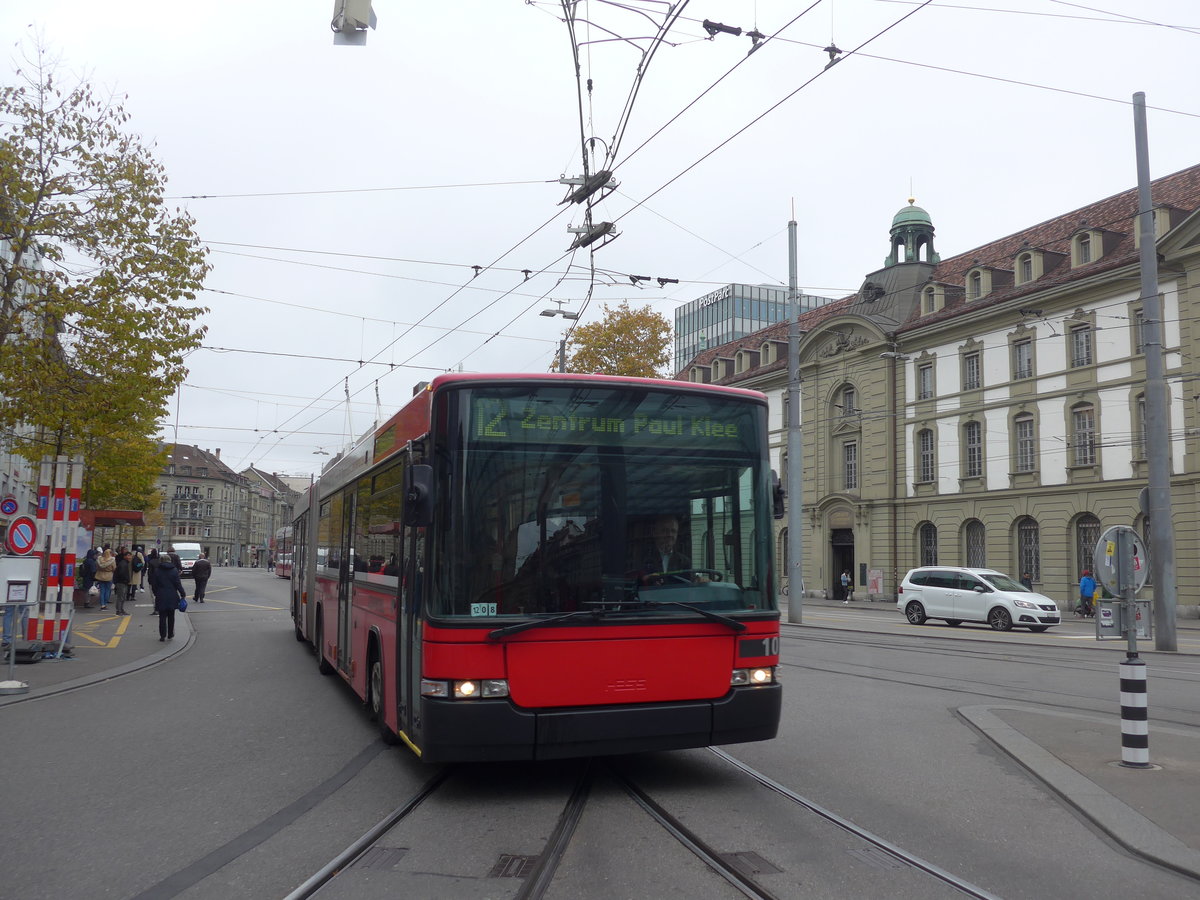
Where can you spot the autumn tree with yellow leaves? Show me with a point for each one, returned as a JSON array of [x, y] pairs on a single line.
[[98, 284], [625, 342]]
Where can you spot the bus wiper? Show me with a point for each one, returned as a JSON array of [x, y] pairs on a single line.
[[538, 623], [707, 613]]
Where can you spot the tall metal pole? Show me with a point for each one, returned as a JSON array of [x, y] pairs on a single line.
[[1158, 438], [795, 470]]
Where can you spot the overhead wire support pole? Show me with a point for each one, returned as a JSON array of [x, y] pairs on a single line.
[[1158, 443], [795, 469]]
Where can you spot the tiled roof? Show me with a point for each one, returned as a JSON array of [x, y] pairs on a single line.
[[187, 455], [1115, 214], [775, 332]]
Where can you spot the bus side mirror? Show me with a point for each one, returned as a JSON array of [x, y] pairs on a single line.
[[778, 495], [418, 495]]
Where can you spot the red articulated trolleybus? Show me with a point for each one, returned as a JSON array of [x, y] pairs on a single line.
[[282, 552], [522, 567]]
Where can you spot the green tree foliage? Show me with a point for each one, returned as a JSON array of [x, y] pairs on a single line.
[[625, 342], [98, 282]]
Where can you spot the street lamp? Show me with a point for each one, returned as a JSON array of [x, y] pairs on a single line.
[[562, 344]]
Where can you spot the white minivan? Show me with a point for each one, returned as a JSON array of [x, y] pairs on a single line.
[[188, 554], [959, 595]]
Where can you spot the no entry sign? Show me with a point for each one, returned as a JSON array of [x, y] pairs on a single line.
[[22, 535]]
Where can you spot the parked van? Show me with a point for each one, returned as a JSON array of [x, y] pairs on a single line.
[[960, 595], [188, 554]]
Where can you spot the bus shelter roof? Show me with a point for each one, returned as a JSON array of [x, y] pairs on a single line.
[[108, 518]]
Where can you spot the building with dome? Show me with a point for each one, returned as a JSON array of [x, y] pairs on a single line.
[[988, 409]]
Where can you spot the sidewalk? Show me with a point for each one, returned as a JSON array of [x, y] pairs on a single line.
[[1150, 812], [106, 645]]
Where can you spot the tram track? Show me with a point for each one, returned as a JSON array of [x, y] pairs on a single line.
[[994, 690], [654, 786]]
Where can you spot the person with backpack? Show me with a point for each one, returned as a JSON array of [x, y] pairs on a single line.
[[138, 582]]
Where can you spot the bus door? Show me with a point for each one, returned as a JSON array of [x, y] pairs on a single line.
[[409, 661], [346, 580]]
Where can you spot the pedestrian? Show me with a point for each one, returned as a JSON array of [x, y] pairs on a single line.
[[1087, 590], [847, 588], [87, 575], [138, 581], [270, 564], [122, 579], [168, 591], [201, 572], [152, 561], [174, 557], [106, 565], [1027, 581]]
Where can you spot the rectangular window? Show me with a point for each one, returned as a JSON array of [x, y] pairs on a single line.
[[927, 459], [849, 402], [972, 373], [973, 439], [1083, 436], [1139, 332], [1026, 445], [1139, 435], [1022, 352], [925, 381], [1081, 346], [850, 465]]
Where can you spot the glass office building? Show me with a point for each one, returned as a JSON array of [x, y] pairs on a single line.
[[731, 312]]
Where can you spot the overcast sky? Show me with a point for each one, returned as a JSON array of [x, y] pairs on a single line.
[[347, 192]]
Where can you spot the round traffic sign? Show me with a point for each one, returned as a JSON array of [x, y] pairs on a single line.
[[22, 535], [9, 506], [1121, 561]]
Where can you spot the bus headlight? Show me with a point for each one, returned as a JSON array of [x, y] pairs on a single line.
[[465, 689], [762, 675], [469, 689]]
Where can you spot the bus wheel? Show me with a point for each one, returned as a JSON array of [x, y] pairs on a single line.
[[299, 634], [323, 665], [375, 702]]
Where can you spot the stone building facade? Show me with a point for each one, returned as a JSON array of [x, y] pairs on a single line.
[[988, 408]]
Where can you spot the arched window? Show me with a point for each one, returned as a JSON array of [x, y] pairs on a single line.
[[975, 285], [974, 544], [927, 549], [1025, 268], [1029, 554], [1087, 533]]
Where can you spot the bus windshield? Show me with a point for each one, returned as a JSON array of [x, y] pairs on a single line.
[[568, 498]]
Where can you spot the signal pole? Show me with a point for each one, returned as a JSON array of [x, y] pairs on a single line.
[[795, 470], [1158, 437]]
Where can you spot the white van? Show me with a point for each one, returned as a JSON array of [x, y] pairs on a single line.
[[960, 595], [188, 554]]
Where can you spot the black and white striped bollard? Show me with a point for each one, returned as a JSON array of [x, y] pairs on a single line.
[[1135, 732]]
